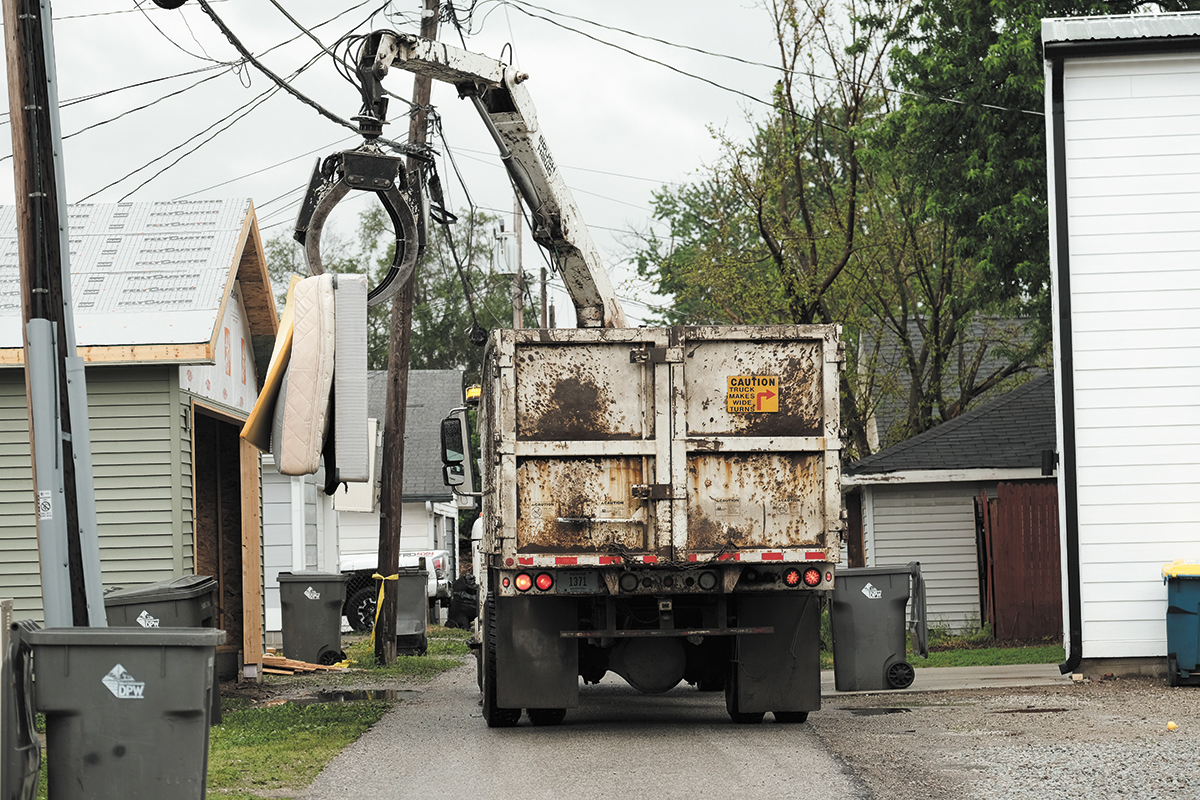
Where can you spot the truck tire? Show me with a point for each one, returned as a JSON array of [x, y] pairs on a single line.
[[360, 609], [546, 716], [495, 716]]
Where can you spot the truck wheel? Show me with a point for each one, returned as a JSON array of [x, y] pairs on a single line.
[[546, 716], [495, 716], [791, 717], [360, 609]]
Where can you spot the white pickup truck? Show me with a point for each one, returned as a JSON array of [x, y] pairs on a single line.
[[362, 589]]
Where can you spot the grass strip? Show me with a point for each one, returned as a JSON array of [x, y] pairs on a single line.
[[282, 747]]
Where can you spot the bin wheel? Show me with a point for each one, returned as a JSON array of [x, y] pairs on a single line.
[[1172, 670], [900, 675], [546, 716], [495, 716], [328, 657], [791, 717], [360, 609]]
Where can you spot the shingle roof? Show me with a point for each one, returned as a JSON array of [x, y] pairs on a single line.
[[431, 395], [1008, 433]]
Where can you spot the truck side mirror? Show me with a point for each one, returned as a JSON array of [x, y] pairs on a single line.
[[453, 447], [457, 468]]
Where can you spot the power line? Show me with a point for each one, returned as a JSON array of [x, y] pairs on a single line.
[[118, 11], [517, 4], [265, 169]]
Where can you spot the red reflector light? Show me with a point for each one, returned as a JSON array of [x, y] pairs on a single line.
[[505, 582], [523, 582], [828, 577], [792, 577], [544, 581], [811, 576]]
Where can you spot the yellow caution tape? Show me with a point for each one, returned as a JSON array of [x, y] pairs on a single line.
[[379, 601]]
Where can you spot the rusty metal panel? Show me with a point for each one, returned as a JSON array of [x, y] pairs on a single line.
[[755, 500], [796, 366], [581, 392], [563, 505]]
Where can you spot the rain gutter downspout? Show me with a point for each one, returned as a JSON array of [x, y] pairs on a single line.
[[1066, 373]]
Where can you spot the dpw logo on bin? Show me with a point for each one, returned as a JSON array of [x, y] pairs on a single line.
[[312, 594], [871, 592], [146, 621], [123, 685]]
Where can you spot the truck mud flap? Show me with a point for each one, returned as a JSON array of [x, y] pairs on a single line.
[[535, 666], [780, 671]]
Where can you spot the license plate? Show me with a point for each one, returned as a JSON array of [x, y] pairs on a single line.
[[580, 582]]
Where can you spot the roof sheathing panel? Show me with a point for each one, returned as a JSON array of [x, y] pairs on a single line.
[[142, 274]]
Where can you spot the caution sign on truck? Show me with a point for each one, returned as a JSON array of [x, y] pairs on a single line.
[[752, 393]]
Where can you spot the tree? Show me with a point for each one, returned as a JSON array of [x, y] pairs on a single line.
[[814, 220], [442, 314], [971, 130]]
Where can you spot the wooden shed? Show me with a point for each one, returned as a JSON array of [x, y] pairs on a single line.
[[173, 309]]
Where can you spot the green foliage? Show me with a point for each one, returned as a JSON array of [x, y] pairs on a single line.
[[970, 134], [817, 218], [263, 750]]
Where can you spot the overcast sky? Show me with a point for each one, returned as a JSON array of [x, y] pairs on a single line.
[[618, 125]]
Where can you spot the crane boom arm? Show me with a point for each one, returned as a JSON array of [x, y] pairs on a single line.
[[499, 94]]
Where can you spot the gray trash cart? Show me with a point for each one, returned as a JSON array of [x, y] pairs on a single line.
[[127, 710], [185, 602], [867, 619], [412, 611], [311, 603]]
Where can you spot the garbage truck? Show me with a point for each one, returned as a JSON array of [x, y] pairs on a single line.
[[659, 503]]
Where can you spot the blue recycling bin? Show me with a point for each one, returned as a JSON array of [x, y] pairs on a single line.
[[1183, 623]]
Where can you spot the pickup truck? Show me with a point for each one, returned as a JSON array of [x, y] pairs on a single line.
[[362, 589]]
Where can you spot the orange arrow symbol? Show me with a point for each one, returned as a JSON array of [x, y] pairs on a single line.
[[758, 398]]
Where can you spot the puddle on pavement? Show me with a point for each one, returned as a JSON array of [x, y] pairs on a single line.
[[349, 696], [875, 712]]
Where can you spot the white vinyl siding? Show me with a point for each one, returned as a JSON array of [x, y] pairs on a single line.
[[935, 525], [1133, 198]]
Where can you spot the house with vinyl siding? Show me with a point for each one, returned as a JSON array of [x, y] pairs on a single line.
[[1123, 137], [173, 311], [926, 500]]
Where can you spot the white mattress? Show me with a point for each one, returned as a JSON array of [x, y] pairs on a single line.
[[309, 380], [350, 379]]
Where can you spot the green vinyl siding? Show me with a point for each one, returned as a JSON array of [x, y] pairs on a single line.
[[140, 447]]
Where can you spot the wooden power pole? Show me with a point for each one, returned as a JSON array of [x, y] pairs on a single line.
[[55, 390], [391, 495]]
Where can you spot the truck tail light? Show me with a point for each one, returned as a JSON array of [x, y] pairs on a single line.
[[812, 576], [523, 582], [544, 581], [792, 577], [707, 581]]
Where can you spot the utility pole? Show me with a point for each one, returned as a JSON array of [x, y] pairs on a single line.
[[543, 297], [55, 391], [391, 495], [518, 286]]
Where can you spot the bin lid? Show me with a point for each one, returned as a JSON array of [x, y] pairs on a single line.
[[181, 588], [125, 637], [1181, 569], [309, 577]]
